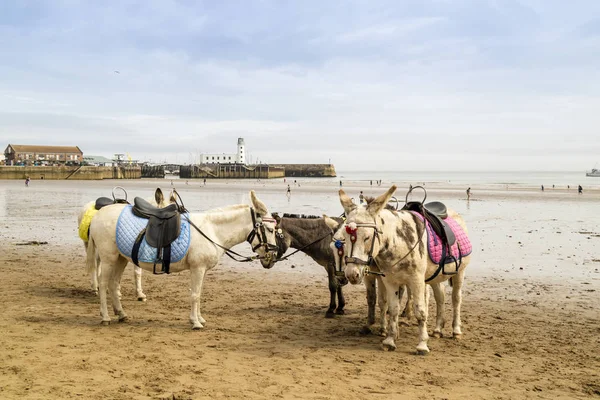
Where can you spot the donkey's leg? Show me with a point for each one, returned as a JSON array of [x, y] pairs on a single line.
[[370, 284], [103, 276], [408, 312], [416, 285], [393, 309], [114, 281], [332, 292], [382, 299], [197, 276], [457, 282], [137, 275], [440, 298], [341, 300]]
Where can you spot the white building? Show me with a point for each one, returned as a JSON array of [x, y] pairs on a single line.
[[224, 158]]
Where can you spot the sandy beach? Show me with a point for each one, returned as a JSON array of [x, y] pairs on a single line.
[[531, 316]]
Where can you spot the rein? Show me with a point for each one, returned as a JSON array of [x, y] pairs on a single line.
[[230, 253]]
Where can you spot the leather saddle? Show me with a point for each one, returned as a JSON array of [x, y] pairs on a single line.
[[106, 201], [435, 212], [162, 229]]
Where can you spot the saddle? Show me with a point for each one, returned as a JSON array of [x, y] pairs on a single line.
[[106, 201], [162, 229], [435, 212]]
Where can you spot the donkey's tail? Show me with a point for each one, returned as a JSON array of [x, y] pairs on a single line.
[[90, 261]]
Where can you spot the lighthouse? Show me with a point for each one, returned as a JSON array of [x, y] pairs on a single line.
[[241, 151]]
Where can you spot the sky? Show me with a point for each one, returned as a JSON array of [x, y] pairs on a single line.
[[423, 85]]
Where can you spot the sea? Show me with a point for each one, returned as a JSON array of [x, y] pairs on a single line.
[[561, 179]]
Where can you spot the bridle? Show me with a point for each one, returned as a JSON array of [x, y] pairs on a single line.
[[364, 266], [259, 232]]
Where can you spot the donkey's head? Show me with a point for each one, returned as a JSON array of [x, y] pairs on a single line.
[[160, 200], [262, 237], [361, 236]]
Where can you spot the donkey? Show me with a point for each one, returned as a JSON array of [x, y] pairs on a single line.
[[312, 235], [396, 243], [214, 233], [159, 201]]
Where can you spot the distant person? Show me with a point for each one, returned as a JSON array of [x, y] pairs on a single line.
[[295, 182], [469, 194], [340, 183], [187, 183], [568, 187], [579, 189], [410, 187], [204, 181], [361, 197], [289, 191], [371, 182], [542, 188], [27, 181], [552, 186], [171, 183]]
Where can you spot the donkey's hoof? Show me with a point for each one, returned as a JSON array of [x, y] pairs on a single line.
[[365, 330], [340, 311], [437, 335], [383, 332], [388, 344], [457, 336], [422, 350], [197, 327], [123, 318], [142, 298], [329, 314], [105, 323]]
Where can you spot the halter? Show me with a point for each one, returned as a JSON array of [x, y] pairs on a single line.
[[351, 229], [259, 231]]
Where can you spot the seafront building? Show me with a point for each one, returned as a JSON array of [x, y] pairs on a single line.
[[19, 154], [222, 158]]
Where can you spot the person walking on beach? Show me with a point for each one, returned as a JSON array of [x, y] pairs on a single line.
[[289, 191], [542, 188], [340, 183], [469, 194], [204, 181], [579, 189], [361, 197], [27, 181]]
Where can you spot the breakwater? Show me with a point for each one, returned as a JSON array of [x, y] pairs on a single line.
[[308, 170], [71, 173], [231, 171]]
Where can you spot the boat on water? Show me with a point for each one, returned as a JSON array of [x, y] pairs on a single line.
[[594, 172]]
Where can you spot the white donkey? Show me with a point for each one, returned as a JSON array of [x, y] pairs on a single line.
[[213, 233], [159, 201], [396, 242]]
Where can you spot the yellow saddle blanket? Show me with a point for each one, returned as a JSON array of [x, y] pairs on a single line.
[[84, 227]]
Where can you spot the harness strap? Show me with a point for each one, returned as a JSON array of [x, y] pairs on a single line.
[[228, 252]]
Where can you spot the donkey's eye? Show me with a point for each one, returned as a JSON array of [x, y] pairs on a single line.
[[367, 239]]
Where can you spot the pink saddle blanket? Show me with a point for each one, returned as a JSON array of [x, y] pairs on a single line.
[[461, 248]]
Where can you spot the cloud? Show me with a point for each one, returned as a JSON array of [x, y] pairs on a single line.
[[486, 84]]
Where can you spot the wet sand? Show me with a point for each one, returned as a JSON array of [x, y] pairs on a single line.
[[530, 308]]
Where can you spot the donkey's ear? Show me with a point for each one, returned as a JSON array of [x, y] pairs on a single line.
[[347, 202], [379, 203], [259, 206], [331, 223], [158, 196], [172, 198]]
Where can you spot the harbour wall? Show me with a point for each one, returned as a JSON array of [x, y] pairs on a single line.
[[71, 173], [230, 171], [308, 170]]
